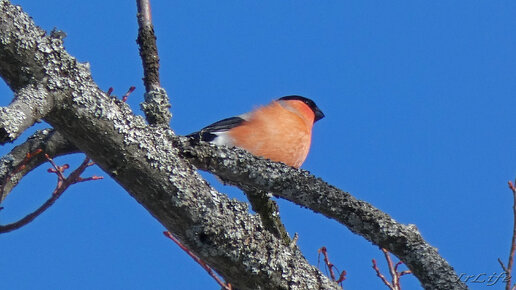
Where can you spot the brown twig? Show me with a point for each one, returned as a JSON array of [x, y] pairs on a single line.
[[510, 263], [393, 270], [379, 274], [402, 273], [125, 96], [330, 266], [199, 261], [62, 184]]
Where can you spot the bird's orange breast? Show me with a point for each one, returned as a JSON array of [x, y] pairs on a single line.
[[276, 133]]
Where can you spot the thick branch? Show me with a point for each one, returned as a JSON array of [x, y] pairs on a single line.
[[149, 163], [143, 160], [244, 170], [29, 105], [50, 141], [24, 65]]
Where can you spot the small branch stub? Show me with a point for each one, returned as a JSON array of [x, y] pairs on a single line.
[[156, 107], [268, 211], [393, 271]]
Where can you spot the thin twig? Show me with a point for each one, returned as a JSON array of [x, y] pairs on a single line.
[[403, 273], [393, 270], [330, 266], [513, 243], [379, 274], [124, 97], [503, 266], [510, 263], [199, 261], [15, 165], [327, 262], [62, 184]]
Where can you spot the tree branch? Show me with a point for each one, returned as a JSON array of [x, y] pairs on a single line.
[[50, 141], [150, 164], [199, 261], [244, 170], [268, 211], [156, 105], [62, 185], [25, 69], [142, 159], [148, 49], [29, 105], [510, 263]]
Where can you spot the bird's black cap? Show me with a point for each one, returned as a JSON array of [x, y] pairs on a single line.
[[317, 112]]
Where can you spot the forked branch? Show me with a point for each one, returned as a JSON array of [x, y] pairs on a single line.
[[15, 165], [62, 185], [394, 284]]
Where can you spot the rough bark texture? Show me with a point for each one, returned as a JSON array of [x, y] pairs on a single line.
[[156, 105], [236, 167], [268, 211], [155, 167], [50, 141]]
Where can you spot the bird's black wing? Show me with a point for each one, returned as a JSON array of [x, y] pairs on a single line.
[[207, 133]]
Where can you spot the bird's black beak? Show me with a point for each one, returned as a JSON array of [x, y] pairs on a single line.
[[318, 114]]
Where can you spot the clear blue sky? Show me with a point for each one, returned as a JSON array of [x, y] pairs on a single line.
[[420, 107]]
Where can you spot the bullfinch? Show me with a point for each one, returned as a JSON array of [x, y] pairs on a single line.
[[280, 131]]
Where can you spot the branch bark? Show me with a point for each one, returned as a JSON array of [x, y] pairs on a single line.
[[237, 167], [156, 105], [25, 65], [154, 166], [29, 105], [268, 211], [50, 141]]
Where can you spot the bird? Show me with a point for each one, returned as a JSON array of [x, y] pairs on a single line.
[[280, 131]]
